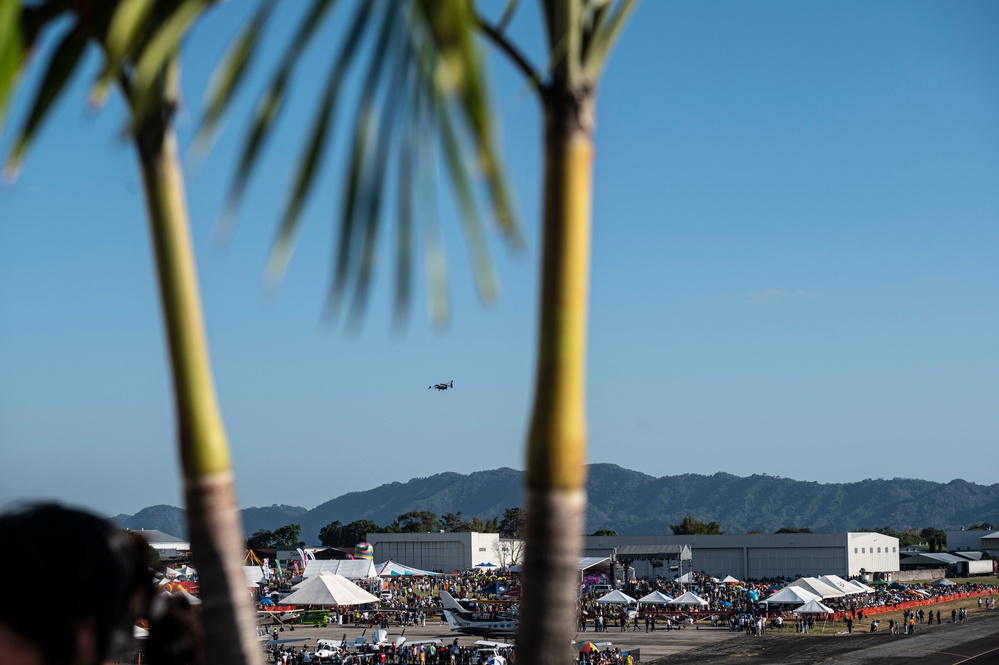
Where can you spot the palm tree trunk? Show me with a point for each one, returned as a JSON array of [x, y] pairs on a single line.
[[214, 523], [556, 449]]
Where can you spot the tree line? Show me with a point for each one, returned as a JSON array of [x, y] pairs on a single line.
[[336, 534]]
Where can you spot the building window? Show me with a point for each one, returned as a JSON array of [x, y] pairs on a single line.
[[482, 549], [879, 550], [856, 549], [893, 549], [863, 550]]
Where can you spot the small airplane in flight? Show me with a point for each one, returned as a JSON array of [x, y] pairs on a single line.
[[442, 386]]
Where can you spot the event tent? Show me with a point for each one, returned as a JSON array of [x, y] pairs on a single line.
[[863, 587], [355, 569], [728, 579], [689, 598], [838, 582], [655, 598], [818, 587], [943, 581], [615, 597], [392, 569], [814, 607], [686, 578], [254, 575], [328, 589], [792, 596]]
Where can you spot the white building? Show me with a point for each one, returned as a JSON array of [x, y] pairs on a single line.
[[439, 552], [757, 556]]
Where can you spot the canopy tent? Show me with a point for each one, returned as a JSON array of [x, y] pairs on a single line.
[[615, 597], [818, 587], [392, 569], [728, 579], [254, 575], [655, 598], [838, 582], [860, 585], [686, 578], [355, 569], [328, 589], [943, 581], [689, 598], [792, 596], [593, 564], [185, 571], [814, 607]]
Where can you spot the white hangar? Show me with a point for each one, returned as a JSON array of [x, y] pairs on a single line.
[[758, 556]]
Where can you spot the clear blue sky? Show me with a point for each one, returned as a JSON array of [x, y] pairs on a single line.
[[794, 272]]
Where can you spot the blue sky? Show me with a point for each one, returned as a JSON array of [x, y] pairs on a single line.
[[796, 223]]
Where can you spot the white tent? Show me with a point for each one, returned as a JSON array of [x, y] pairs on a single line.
[[186, 571], [655, 598], [814, 607], [686, 578], [328, 589], [838, 582], [689, 598], [863, 587], [615, 597], [728, 579], [355, 569], [943, 581], [392, 569], [254, 575], [818, 587], [792, 596]]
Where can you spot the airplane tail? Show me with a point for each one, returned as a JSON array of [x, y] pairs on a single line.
[[452, 623], [449, 603]]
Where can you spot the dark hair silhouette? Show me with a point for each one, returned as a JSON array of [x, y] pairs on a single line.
[[71, 571]]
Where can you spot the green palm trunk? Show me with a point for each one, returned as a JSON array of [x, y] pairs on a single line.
[[212, 510], [556, 449]]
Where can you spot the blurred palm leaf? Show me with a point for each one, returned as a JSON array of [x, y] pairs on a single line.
[[420, 74]]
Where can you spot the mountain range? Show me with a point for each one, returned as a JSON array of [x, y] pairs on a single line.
[[634, 503]]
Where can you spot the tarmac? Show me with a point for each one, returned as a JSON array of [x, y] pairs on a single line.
[[975, 642]]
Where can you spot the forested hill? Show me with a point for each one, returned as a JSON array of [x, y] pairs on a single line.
[[633, 503]]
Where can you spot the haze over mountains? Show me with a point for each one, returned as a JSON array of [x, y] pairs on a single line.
[[633, 503]]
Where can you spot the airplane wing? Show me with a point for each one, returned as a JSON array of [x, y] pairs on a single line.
[[271, 643], [498, 645], [438, 641]]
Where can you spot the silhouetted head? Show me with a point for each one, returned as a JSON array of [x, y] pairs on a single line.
[[75, 585]]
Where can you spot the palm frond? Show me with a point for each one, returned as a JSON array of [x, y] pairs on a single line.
[[231, 72], [58, 72], [604, 35], [268, 110], [423, 66], [11, 50]]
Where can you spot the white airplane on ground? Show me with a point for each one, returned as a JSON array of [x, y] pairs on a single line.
[[461, 619], [488, 653]]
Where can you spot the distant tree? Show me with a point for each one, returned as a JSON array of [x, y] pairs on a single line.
[[480, 525], [417, 521], [288, 537], [513, 523], [336, 534], [331, 534], [984, 526], [691, 527], [935, 539], [454, 523], [261, 540], [754, 531], [789, 529], [604, 532]]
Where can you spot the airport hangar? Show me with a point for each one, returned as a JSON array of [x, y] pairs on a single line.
[[746, 556], [753, 556]]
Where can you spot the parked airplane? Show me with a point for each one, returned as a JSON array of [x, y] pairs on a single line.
[[462, 619]]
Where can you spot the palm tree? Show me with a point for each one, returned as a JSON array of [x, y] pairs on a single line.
[[139, 41], [424, 76]]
